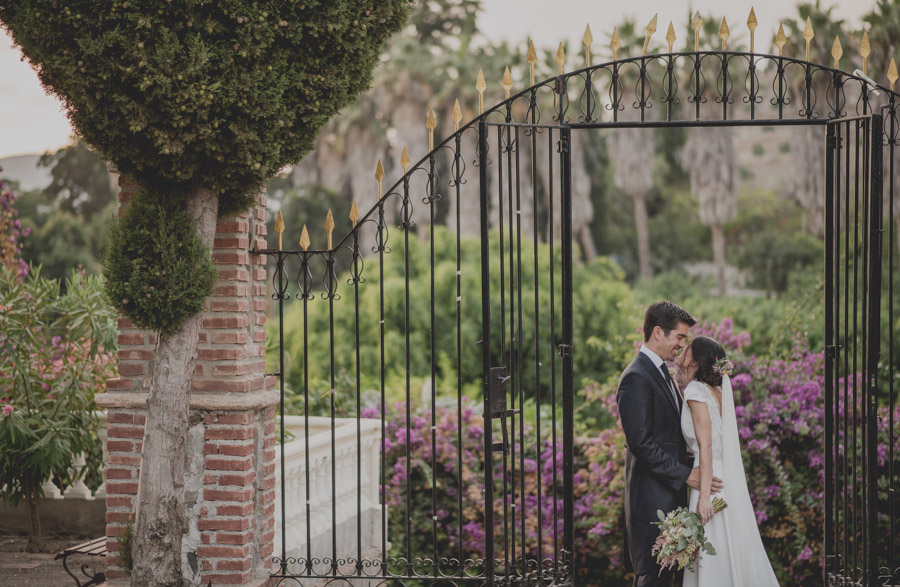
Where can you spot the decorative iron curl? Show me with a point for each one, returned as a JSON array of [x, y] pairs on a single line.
[[458, 167], [533, 107], [587, 100], [381, 232], [724, 85], [891, 123], [434, 177], [304, 279], [507, 143], [836, 99], [780, 87], [395, 562], [616, 93], [670, 84], [357, 266], [863, 100], [888, 577], [808, 95], [280, 280], [643, 90], [406, 208], [561, 99], [751, 83], [477, 161], [698, 83], [449, 567], [474, 567], [329, 279]]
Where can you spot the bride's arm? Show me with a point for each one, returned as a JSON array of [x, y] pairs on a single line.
[[703, 430]]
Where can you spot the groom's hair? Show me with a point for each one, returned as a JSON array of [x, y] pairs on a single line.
[[667, 316]]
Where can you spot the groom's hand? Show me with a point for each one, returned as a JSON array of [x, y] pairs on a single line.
[[693, 481]]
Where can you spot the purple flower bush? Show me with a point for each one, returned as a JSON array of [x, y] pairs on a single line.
[[11, 231], [780, 412]]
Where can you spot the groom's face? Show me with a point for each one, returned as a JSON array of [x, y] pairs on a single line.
[[671, 344]]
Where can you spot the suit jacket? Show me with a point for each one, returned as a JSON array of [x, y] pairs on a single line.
[[656, 464]]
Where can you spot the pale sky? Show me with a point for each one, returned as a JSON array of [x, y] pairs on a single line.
[[33, 122]]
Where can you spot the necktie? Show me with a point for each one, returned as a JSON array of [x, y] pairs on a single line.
[[671, 384]]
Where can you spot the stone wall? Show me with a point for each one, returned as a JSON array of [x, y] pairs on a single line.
[[230, 454]]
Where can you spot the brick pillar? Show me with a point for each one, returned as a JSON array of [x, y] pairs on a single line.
[[230, 454]]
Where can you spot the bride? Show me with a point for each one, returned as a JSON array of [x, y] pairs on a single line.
[[710, 429]]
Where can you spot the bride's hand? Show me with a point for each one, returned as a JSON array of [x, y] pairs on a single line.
[[705, 509], [693, 481]]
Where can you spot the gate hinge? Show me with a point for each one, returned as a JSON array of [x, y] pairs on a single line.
[[565, 350], [830, 141], [562, 146]]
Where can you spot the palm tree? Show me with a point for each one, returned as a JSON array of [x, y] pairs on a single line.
[[807, 141], [631, 152], [710, 160]]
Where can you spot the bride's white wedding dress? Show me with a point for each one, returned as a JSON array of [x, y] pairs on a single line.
[[740, 559]]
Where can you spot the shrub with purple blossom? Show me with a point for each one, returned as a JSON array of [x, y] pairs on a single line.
[[11, 231]]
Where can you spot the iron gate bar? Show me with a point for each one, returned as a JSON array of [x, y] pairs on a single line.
[[830, 348], [486, 350]]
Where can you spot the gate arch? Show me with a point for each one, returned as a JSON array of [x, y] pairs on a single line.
[[515, 134]]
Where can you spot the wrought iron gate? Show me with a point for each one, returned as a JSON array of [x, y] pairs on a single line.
[[859, 490], [396, 503]]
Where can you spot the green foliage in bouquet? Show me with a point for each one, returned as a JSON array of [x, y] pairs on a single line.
[[682, 537], [158, 270]]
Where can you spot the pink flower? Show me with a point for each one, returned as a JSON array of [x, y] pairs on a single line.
[[7, 410]]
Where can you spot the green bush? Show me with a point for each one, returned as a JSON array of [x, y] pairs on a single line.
[[216, 94], [158, 271]]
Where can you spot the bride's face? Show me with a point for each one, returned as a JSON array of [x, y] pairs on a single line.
[[686, 363]]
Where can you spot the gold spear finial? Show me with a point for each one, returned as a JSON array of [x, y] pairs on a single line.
[[865, 49], [724, 33], [457, 114], [532, 59], [304, 238], [696, 23], [615, 43], [892, 73], [480, 86], [404, 160], [586, 40], [837, 51], [430, 124], [670, 36], [808, 35], [329, 227], [279, 227], [651, 28], [354, 213], [560, 58], [751, 24], [507, 82], [781, 40], [379, 176]]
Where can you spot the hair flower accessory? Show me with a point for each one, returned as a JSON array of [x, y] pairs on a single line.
[[723, 367]]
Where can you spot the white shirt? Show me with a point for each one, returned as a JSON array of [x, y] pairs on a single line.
[[660, 364]]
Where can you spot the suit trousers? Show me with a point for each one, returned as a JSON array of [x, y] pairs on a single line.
[[668, 578]]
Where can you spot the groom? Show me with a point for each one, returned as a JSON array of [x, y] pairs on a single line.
[[656, 463]]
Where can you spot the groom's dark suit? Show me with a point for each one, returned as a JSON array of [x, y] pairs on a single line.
[[655, 462]]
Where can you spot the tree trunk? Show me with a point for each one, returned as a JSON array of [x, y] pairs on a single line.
[[160, 505], [719, 256], [643, 237], [34, 537]]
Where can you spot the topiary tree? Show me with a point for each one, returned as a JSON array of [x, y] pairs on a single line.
[[199, 102]]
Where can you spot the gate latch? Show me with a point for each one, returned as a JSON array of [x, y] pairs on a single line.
[[499, 378]]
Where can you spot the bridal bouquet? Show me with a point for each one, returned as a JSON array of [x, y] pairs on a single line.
[[681, 536]]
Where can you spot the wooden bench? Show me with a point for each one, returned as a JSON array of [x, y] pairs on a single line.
[[96, 547]]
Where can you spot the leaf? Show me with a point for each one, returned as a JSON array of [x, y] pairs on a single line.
[[661, 515]]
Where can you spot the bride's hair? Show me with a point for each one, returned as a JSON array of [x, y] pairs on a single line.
[[706, 351]]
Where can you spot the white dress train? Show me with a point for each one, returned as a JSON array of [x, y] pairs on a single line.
[[740, 559]]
